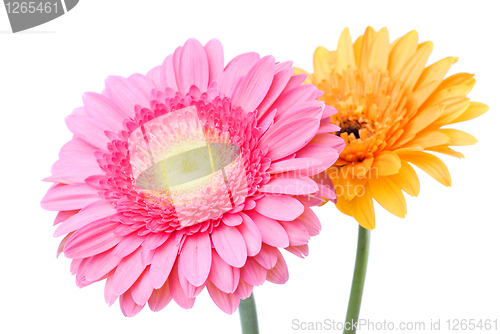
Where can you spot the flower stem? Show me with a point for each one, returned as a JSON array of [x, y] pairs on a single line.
[[248, 316], [358, 280]]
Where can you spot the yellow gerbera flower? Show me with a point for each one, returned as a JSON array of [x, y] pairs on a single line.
[[391, 111]]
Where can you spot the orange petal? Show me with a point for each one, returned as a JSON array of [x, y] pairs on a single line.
[[379, 51], [430, 164], [345, 206], [414, 67], [445, 150], [365, 49], [441, 95], [428, 138], [345, 53], [455, 107], [458, 79], [322, 68], [389, 196], [475, 109], [401, 52], [459, 138], [358, 169], [386, 163], [364, 212], [407, 179], [436, 71], [357, 49]]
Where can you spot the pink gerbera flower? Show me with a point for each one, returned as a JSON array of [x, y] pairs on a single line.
[[192, 176]]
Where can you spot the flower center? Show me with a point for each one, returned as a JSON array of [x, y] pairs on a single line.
[[351, 127], [182, 164], [176, 157], [368, 104]]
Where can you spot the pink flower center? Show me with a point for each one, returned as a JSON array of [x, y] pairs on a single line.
[[182, 164]]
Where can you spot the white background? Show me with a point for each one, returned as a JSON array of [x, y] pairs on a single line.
[[440, 262]]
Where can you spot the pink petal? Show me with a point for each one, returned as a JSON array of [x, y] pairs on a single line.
[[252, 89], [109, 296], [251, 234], [100, 264], [310, 221], [279, 82], [267, 256], [295, 81], [279, 274], [125, 94], [127, 245], [327, 154], [290, 186], [176, 66], [193, 66], [167, 73], [283, 65], [230, 245], [90, 213], [327, 193], [267, 120], [77, 146], [302, 110], [237, 67], [329, 111], [69, 197], [60, 248], [244, 290], [155, 240], [92, 239], [272, 232], [74, 167], [224, 276], [143, 83], [227, 302], [253, 273], [232, 219], [155, 76], [147, 256], [301, 251], [189, 289], [292, 165], [297, 233], [127, 272], [160, 298], [215, 57], [64, 215], [88, 129], [195, 258], [142, 289], [163, 261], [102, 109], [279, 207], [295, 96], [249, 204], [128, 306], [75, 264], [176, 290], [289, 138]]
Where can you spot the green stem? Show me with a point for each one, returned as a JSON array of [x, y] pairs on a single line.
[[248, 316], [358, 280]]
